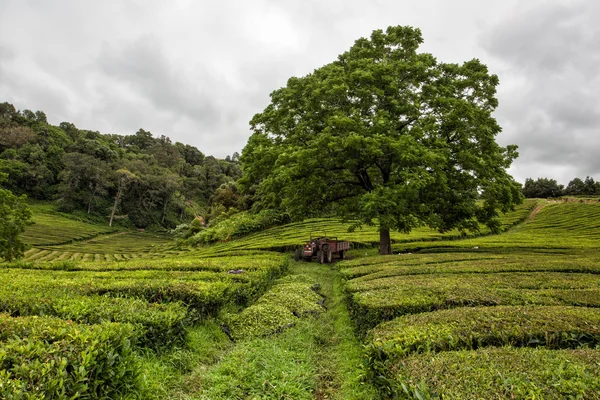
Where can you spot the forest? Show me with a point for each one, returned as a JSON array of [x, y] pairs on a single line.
[[134, 180]]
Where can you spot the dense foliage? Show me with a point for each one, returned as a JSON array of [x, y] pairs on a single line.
[[387, 136], [544, 188], [14, 217], [48, 358], [139, 178]]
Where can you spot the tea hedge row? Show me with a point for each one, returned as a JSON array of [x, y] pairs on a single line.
[[556, 226], [554, 327], [278, 309], [48, 358], [370, 268], [383, 299], [240, 260], [495, 373], [157, 324], [496, 280], [203, 293]]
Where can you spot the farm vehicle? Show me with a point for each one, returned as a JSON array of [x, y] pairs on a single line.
[[323, 249]]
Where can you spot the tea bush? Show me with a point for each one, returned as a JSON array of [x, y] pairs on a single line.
[[278, 309], [471, 328], [156, 324], [372, 302], [50, 358], [495, 373]]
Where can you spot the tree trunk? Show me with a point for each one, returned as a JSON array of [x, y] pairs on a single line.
[[385, 246], [164, 213], [114, 209]]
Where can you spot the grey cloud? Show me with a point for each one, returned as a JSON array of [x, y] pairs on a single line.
[[143, 65], [554, 114]]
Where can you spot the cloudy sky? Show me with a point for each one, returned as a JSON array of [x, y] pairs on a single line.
[[197, 71]]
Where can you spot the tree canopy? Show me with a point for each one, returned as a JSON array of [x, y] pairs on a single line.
[[542, 188], [14, 217], [136, 179], [384, 135]]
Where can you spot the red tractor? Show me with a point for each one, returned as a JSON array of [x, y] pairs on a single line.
[[323, 249]]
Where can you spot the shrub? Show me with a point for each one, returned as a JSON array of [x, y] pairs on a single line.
[[375, 301], [50, 358], [260, 320], [494, 373], [471, 328], [239, 224], [157, 324], [278, 309], [298, 298]]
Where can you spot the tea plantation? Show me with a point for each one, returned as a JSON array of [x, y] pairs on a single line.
[[507, 316], [94, 313]]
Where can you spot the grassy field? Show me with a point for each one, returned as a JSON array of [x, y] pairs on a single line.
[[127, 315]]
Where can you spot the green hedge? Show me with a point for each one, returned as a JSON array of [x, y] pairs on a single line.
[[47, 358], [384, 299], [370, 268], [495, 373], [471, 328], [158, 324], [260, 320], [278, 309], [297, 297]]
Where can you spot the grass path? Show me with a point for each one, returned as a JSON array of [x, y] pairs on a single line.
[[319, 358], [339, 369]]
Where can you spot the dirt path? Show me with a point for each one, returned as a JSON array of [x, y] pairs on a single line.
[[535, 211]]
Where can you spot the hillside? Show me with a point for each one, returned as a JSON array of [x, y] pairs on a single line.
[[220, 321], [134, 180]]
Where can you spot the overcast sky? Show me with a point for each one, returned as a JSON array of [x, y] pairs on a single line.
[[197, 71]]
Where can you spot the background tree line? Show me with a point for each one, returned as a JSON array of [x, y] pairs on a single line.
[[544, 188], [137, 179]]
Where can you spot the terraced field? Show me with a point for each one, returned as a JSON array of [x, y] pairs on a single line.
[[289, 236], [515, 315], [110, 247], [56, 236], [52, 228], [557, 226]]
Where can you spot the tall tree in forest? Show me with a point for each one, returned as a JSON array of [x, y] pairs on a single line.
[[124, 178], [387, 136]]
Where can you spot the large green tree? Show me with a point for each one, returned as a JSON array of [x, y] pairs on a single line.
[[388, 136], [14, 217]]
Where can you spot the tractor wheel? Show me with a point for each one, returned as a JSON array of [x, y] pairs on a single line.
[[329, 255], [297, 255], [321, 256], [342, 254]]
